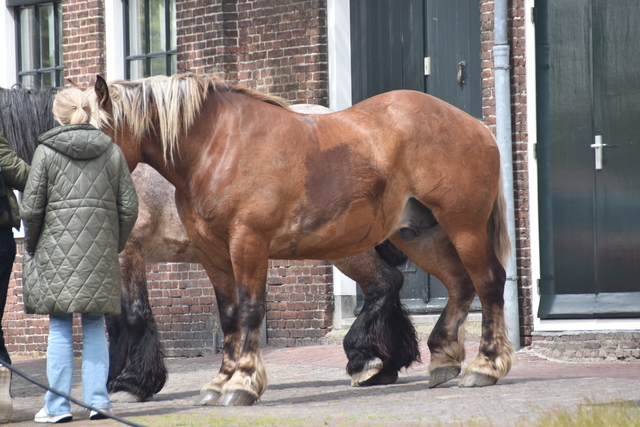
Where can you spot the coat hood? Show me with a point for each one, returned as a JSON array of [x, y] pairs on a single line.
[[81, 142]]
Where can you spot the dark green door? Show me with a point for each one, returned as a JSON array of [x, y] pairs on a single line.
[[588, 150], [431, 46]]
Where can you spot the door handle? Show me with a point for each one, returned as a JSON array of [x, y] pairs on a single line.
[[599, 146], [460, 76]]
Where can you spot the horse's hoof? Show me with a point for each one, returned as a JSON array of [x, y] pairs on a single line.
[[381, 378], [124, 396], [370, 370], [237, 398], [475, 379], [208, 398], [442, 375]]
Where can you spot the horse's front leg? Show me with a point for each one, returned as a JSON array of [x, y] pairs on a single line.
[[382, 340], [227, 300], [240, 295]]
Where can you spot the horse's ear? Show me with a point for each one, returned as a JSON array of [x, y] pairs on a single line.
[[73, 84], [102, 91]]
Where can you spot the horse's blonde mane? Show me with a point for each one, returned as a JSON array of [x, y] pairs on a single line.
[[173, 101]]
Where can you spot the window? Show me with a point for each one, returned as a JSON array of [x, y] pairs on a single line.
[[39, 40], [151, 38]]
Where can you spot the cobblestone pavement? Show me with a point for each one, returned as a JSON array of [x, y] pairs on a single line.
[[309, 385]]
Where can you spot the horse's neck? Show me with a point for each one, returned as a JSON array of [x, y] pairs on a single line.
[[152, 155]]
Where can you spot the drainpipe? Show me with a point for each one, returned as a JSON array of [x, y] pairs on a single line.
[[503, 136]]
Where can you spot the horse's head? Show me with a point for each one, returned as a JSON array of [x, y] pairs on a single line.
[[118, 131]]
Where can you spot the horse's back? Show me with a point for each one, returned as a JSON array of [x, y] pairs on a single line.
[[420, 142]]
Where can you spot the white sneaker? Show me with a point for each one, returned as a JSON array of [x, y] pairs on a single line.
[[43, 417], [95, 415], [6, 406]]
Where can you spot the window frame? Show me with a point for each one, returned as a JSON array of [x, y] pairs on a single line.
[[148, 56], [38, 71]]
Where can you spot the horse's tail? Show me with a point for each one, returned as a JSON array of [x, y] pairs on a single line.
[[497, 227]]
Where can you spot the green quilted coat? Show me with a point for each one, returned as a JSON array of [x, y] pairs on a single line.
[[79, 207]]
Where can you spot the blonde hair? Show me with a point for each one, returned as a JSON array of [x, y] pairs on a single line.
[[71, 107]]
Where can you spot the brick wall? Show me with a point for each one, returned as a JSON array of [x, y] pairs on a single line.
[[299, 305], [24, 334], [83, 40], [277, 47], [280, 48], [299, 302], [587, 346], [183, 305], [517, 62]]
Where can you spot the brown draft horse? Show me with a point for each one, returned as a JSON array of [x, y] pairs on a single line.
[[255, 180]]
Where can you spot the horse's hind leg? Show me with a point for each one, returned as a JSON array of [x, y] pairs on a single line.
[[136, 355], [434, 253], [495, 354], [382, 340]]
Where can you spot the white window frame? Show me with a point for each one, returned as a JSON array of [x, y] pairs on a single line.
[[8, 53], [339, 52], [114, 28], [166, 53]]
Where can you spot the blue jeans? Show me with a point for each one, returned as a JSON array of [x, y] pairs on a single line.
[[95, 362]]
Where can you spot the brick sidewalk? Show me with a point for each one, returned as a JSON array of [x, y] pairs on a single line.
[[308, 385]]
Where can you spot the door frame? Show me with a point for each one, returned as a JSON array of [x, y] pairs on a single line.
[[339, 61], [548, 325]]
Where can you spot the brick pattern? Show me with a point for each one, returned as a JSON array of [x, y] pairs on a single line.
[[278, 47], [606, 346], [517, 61], [184, 308], [83, 39], [299, 302], [24, 334]]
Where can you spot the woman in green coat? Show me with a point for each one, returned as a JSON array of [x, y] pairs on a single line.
[[79, 207]]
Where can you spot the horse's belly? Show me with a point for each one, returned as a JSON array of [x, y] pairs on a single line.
[[172, 250], [357, 229]]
